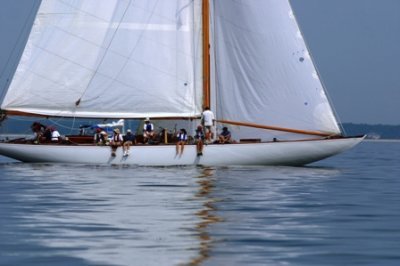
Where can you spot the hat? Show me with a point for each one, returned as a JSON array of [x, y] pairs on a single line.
[[116, 130], [128, 131], [147, 119]]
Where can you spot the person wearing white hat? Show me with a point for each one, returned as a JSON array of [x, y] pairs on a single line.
[[116, 141], [148, 130]]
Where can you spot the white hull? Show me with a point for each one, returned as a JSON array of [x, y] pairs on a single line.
[[273, 153]]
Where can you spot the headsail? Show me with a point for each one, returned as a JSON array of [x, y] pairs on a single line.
[[110, 58], [264, 73]]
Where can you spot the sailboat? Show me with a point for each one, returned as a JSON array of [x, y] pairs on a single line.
[[167, 60]]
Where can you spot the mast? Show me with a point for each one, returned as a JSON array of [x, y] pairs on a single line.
[[206, 52]]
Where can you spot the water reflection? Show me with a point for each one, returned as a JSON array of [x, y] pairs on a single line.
[[271, 214], [117, 215], [102, 215], [347, 214], [206, 214]]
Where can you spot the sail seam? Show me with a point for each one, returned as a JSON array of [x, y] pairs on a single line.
[[105, 53], [129, 57]]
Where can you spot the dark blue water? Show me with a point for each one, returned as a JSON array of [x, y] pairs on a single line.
[[341, 211]]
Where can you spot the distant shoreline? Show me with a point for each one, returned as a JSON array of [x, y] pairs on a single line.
[[381, 140]]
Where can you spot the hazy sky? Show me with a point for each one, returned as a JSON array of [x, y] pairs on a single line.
[[355, 45]]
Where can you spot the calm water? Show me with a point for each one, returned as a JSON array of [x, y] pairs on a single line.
[[341, 211]]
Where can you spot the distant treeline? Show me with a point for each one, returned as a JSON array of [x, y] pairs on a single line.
[[372, 131]]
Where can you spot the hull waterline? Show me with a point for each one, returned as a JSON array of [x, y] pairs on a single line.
[[293, 153]]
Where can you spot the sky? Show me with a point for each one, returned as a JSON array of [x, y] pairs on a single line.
[[355, 45]]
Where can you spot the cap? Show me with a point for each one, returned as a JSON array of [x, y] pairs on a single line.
[[116, 130], [128, 131]]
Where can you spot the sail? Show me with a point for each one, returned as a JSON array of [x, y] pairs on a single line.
[[263, 70], [111, 58]]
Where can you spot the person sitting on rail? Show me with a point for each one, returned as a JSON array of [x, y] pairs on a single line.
[[225, 136], [182, 139], [100, 137], [199, 140], [129, 139], [148, 130], [116, 141]]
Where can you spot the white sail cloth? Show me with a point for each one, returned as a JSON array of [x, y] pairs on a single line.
[[142, 58], [111, 58], [263, 71]]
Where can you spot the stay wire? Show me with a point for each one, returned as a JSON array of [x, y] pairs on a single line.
[[105, 53]]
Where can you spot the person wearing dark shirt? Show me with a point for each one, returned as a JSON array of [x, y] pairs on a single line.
[[148, 130], [38, 131], [182, 139], [225, 136], [100, 137], [129, 139], [199, 140], [47, 134]]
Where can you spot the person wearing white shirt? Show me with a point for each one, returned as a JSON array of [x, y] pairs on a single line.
[[208, 121], [55, 135], [148, 130]]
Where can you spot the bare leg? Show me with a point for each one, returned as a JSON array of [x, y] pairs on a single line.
[[199, 147]]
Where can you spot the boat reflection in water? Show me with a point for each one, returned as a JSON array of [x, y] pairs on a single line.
[[206, 215], [127, 215], [121, 215]]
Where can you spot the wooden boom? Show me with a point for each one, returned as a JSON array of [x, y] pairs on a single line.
[[298, 131]]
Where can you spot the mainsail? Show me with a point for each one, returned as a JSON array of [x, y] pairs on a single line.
[[112, 59], [143, 58], [263, 71]]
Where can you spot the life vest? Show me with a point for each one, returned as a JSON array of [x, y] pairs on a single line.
[[99, 138], [199, 134], [148, 127], [116, 138], [129, 137], [182, 136]]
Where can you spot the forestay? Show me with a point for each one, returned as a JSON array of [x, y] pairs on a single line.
[[263, 71], [111, 58]]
